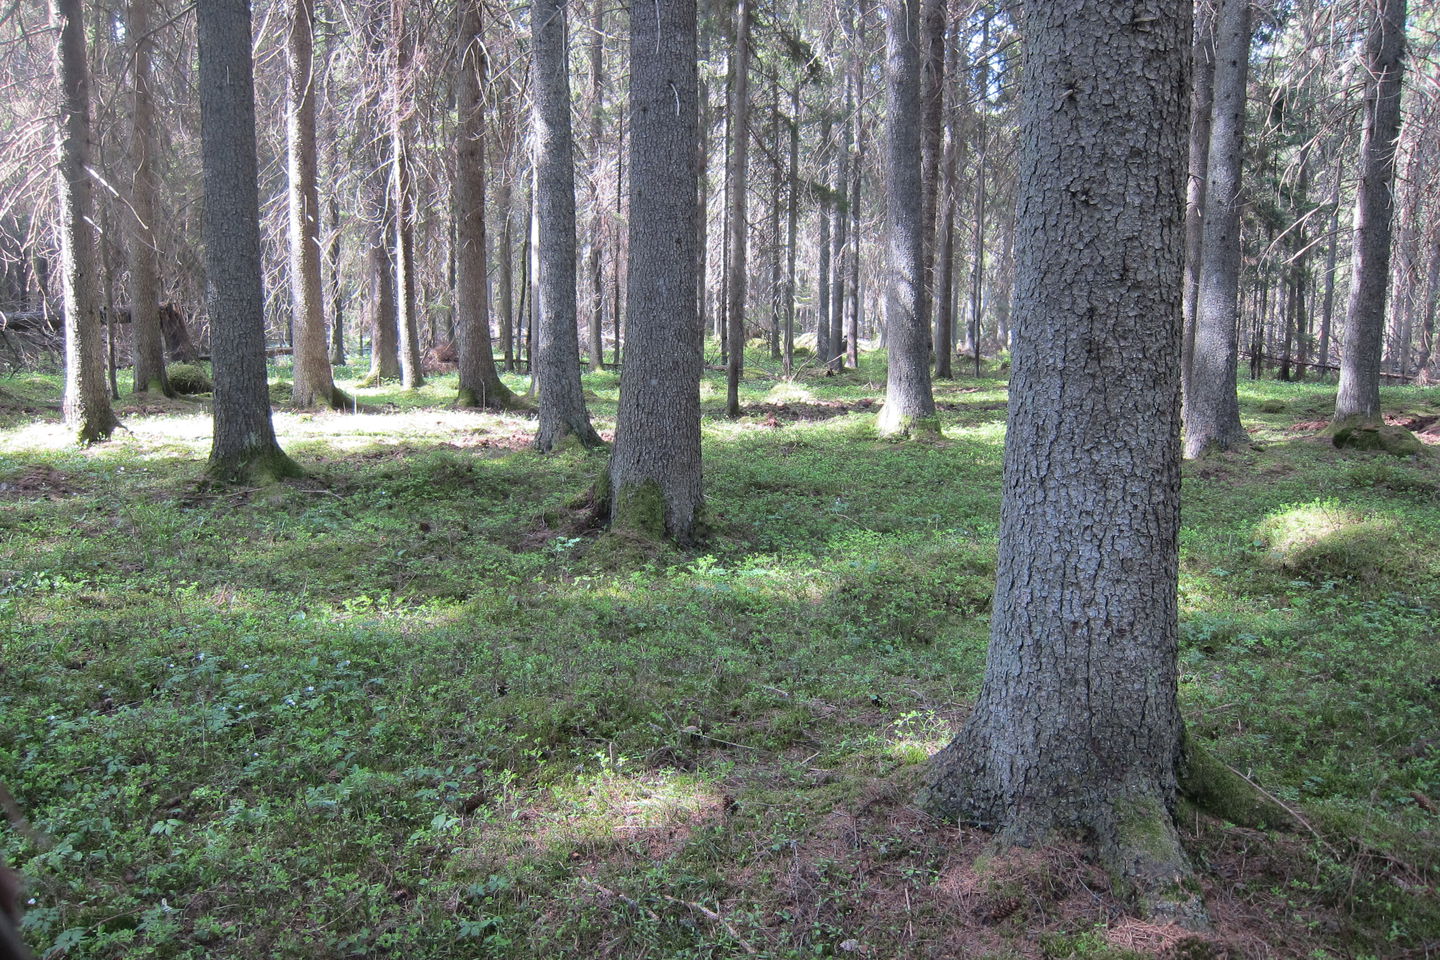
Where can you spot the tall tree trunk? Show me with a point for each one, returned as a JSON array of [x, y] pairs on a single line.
[[933, 83], [777, 246], [655, 482], [841, 213], [982, 109], [858, 59], [1359, 392], [337, 289], [1202, 97], [244, 446], [149, 348], [1212, 420], [909, 405], [314, 384], [86, 403], [1327, 313], [480, 384], [943, 267], [597, 212], [736, 185], [1077, 728], [823, 348], [792, 224], [402, 204], [1425, 358], [562, 401]]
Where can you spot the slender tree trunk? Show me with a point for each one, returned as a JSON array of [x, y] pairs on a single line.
[[792, 224], [406, 319], [909, 405], [655, 482], [597, 215], [337, 289], [1077, 727], [1212, 421], [149, 348], [1359, 392], [982, 109], [244, 446], [87, 402], [480, 384], [933, 83], [314, 384], [858, 59], [1425, 357], [841, 212], [736, 186], [1332, 249], [777, 186], [1202, 97], [943, 268], [823, 348], [562, 400]]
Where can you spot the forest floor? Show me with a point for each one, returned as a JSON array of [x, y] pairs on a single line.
[[412, 706]]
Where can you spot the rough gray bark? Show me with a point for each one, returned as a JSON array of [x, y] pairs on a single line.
[[1077, 728], [1359, 392], [932, 137], [1202, 96], [597, 214], [655, 483], [244, 446], [480, 384], [909, 405], [737, 169], [1212, 413], [402, 203], [148, 347], [314, 384], [557, 368], [86, 401]]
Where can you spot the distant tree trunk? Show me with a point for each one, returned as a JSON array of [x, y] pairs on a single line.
[[597, 213], [823, 347], [562, 401], [1424, 361], [1202, 61], [1327, 313], [402, 204], [792, 224], [841, 213], [859, 57], [777, 188], [933, 83], [977, 274], [337, 289], [1212, 421], [909, 405], [943, 268], [314, 384], [1359, 392], [736, 185], [702, 179], [87, 402], [654, 478], [144, 269], [480, 384], [1077, 728], [380, 304], [244, 446]]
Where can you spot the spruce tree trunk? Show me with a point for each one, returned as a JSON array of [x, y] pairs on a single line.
[[933, 83], [1077, 728], [822, 278], [1425, 358], [1327, 313], [792, 225], [149, 348], [314, 384], [1359, 392], [597, 216], [858, 59], [86, 402], [977, 273], [1212, 418], [380, 304], [244, 446], [909, 405], [736, 186], [337, 290], [655, 483], [557, 372], [1202, 65], [480, 384], [943, 267], [777, 252], [402, 203], [841, 212]]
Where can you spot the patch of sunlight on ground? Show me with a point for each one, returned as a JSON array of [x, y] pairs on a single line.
[[916, 736], [789, 391]]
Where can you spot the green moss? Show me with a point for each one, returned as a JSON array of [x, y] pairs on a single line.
[[908, 428], [1358, 433], [1215, 788], [639, 508], [187, 379], [266, 465], [1273, 405]]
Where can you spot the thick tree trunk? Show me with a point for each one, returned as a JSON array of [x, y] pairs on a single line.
[[149, 348], [1359, 393], [909, 405], [557, 372], [1077, 727], [480, 384], [736, 186], [1202, 97], [244, 446], [655, 484], [86, 402], [1212, 419], [314, 384]]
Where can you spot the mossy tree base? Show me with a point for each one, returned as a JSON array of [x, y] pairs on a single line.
[[96, 428], [265, 465], [899, 426], [499, 400], [1216, 789], [1357, 432]]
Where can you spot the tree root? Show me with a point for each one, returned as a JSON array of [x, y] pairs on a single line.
[[1219, 789]]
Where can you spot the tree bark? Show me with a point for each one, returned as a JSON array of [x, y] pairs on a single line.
[[597, 212], [402, 203], [1077, 726], [1212, 419], [736, 185], [933, 83], [909, 408], [1359, 392], [655, 483], [244, 446], [823, 347], [337, 289], [86, 401], [148, 347], [314, 384], [792, 224], [838, 236], [557, 370], [480, 384], [1202, 97]]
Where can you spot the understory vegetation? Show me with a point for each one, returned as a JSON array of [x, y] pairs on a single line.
[[417, 704]]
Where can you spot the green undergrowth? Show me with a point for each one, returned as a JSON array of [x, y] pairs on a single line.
[[411, 705]]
